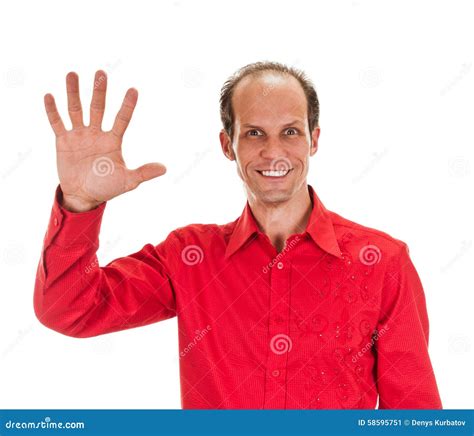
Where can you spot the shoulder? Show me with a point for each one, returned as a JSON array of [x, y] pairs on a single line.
[[199, 233], [366, 241]]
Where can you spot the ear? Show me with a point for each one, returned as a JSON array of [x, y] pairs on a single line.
[[314, 141], [226, 145]]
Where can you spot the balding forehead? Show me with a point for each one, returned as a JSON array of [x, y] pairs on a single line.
[[269, 77], [269, 101], [266, 80]]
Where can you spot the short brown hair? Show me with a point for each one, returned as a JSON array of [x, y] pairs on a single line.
[[257, 68]]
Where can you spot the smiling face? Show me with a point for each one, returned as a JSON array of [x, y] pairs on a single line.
[[272, 143]]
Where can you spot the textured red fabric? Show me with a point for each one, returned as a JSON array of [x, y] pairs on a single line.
[[334, 320]]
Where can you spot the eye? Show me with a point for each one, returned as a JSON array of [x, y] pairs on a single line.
[[254, 132], [291, 131]]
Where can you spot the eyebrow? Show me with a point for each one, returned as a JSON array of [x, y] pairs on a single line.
[[292, 123]]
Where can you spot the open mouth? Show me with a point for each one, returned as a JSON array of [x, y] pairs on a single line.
[[276, 174]]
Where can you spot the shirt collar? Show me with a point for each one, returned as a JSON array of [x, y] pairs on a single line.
[[319, 227]]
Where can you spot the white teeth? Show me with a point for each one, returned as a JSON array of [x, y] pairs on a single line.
[[275, 173]]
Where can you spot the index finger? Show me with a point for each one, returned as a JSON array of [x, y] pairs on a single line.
[[53, 115]]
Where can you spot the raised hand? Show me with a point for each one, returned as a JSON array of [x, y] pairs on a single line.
[[90, 165]]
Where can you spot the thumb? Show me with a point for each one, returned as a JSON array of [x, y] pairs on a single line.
[[146, 172]]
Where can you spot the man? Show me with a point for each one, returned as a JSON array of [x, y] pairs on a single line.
[[289, 306]]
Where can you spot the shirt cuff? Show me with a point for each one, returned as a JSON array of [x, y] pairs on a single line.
[[67, 228]]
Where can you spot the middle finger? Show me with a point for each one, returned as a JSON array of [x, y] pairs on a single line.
[[73, 100]]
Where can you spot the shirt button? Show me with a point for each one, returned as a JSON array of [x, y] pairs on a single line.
[[280, 265], [55, 221], [275, 373]]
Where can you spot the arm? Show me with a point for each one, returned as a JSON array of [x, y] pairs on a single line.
[[73, 294], [405, 377], [77, 297]]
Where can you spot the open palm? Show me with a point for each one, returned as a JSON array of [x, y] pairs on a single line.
[[90, 165]]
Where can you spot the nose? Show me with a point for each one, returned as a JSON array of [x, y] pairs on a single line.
[[272, 149]]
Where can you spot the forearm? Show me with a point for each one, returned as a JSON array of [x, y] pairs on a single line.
[[62, 297], [62, 294], [75, 296]]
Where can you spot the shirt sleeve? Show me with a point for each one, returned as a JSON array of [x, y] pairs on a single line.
[[75, 296], [405, 377]]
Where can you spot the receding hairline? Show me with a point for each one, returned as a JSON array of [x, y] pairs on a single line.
[[263, 74], [255, 71]]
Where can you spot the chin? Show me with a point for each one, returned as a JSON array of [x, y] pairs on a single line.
[[278, 195], [275, 197]]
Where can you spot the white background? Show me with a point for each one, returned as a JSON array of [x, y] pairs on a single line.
[[395, 83]]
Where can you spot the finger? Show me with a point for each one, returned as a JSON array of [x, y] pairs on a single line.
[[53, 115], [124, 115], [98, 99], [144, 173], [73, 100]]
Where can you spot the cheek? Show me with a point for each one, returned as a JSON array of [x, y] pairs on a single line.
[[245, 155], [302, 153], [303, 160]]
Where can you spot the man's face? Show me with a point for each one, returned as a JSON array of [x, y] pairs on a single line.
[[272, 143]]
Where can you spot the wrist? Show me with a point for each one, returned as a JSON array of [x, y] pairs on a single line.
[[74, 204]]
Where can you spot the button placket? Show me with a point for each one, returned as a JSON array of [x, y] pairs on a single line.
[[280, 342]]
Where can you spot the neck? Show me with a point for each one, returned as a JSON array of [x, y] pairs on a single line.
[[281, 220]]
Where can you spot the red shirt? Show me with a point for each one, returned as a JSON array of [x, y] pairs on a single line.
[[334, 320]]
